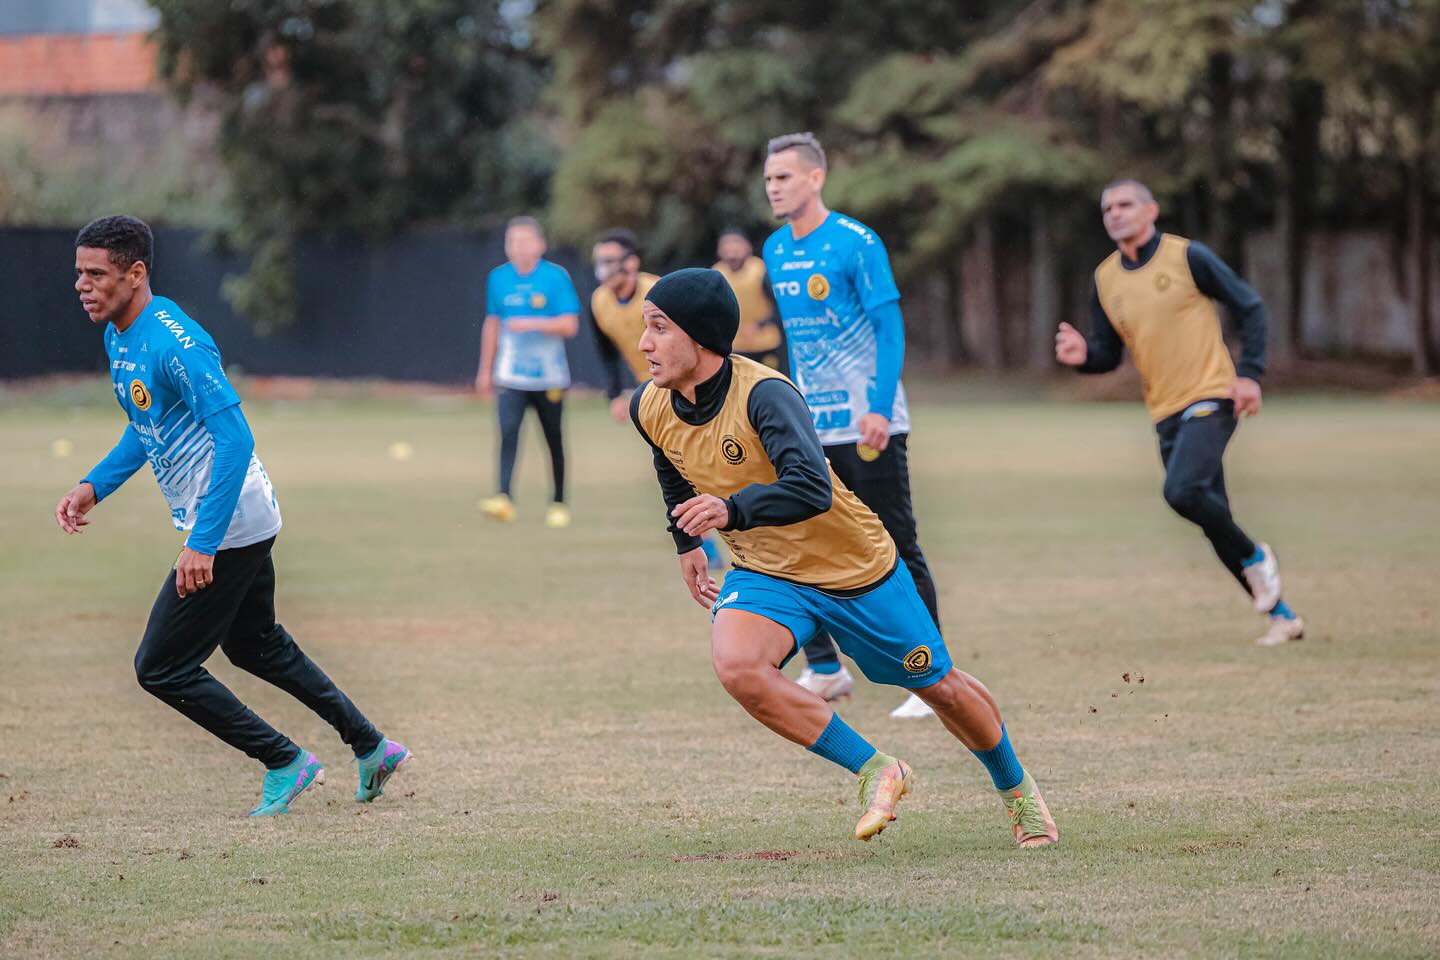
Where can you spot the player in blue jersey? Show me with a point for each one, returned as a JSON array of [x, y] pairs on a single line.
[[837, 298], [531, 308], [185, 421]]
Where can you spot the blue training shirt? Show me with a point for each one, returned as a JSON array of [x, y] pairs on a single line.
[[838, 301], [530, 360], [168, 379]]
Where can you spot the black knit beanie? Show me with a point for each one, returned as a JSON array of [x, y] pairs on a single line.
[[701, 303]]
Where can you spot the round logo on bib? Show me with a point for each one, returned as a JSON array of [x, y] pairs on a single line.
[[537, 300], [732, 451], [817, 286], [139, 395], [917, 660]]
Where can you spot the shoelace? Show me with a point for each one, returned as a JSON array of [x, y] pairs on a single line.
[[1025, 813], [865, 784]]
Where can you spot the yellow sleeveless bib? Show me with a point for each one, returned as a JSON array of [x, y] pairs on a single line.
[[844, 548]]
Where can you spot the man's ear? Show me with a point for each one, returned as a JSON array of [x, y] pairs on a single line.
[[137, 274]]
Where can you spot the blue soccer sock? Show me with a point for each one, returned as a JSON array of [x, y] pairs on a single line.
[[825, 667], [1254, 558], [839, 744], [1005, 770], [1282, 610]]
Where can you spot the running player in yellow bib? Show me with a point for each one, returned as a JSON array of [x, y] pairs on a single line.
[[736, 451], [1155, 295]]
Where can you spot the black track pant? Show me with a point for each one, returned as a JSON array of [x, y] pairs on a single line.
[[237, 614], [883, 485], [549, 405], [1192, 448]]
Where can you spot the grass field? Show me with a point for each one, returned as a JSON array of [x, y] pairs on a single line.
[[585, 787]]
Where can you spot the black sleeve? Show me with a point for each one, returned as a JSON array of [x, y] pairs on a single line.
[[1104, 348], [674, 488], [609, 359], [1216, 280], [802, 486]]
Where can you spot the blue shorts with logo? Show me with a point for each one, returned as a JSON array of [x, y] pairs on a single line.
[[887, 631]]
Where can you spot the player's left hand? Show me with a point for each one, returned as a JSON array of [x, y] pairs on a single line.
[[1246, 394], [699, 515], [193, 572], [695, 568], [874, 431]]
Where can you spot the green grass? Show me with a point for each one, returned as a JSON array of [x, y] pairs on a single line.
[[584, 786]]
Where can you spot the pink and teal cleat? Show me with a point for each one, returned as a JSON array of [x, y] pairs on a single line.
[[285, 784], [380, 765]]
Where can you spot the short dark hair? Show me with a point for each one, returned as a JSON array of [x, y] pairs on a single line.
[[733, 232], [1145, 195], [806, 144], [128, 240], [625, 238], [526, 221]]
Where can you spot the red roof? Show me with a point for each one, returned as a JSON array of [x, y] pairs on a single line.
[[76, 64]]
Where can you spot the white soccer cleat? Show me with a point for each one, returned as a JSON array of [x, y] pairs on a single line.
[[827, 686], [912, 709], [1282, 631], [1264, 580]]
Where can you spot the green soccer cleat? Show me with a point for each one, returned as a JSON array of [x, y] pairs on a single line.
[[380, 765], [285, 784], [1030, 819], [880, 790]]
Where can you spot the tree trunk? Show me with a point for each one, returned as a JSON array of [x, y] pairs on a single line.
[[1302, 146], [1044, 291], [981, 296], [1417, 215]]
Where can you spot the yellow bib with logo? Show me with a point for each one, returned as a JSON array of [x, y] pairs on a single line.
[[754, 335], [844, 548], [623, 322], [1171, 328]]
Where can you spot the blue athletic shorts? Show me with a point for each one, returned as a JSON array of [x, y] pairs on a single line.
[[887, 631]]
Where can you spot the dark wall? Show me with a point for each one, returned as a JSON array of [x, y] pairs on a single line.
[[409, 309]]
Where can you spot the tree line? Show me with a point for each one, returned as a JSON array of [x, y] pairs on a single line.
[[967, 133]]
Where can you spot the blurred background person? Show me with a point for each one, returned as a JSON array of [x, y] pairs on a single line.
[[531, 308], [761, 337]]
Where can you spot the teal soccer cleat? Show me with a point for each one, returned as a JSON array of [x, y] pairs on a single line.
[[380, 765], [285, 784]]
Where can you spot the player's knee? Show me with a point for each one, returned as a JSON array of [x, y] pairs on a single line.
[[153, 678], [1184, 498], [738, 670]]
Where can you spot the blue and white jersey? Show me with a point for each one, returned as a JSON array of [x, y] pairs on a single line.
[[828, 286], [530, 360], [168, 379]]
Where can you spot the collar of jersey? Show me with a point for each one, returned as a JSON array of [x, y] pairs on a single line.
[[1144, 253], [709, 398]]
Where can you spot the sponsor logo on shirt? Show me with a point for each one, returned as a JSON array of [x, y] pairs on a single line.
[[176, 330], [139, 395], [817, 286], [537, 301]]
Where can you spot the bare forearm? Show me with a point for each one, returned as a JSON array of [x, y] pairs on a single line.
[[565, 325], [489, 341]]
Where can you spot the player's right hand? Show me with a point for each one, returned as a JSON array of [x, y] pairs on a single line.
[[620, 409], [70, 511], [1070, 346], [484, 385], [695, 568]]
